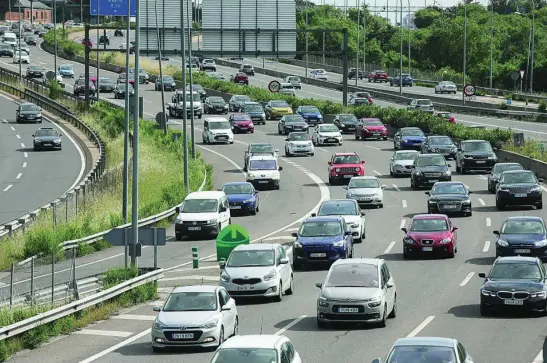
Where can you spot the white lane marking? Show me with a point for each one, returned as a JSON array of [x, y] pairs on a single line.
[[148, 101], [8, 188], [467, 278], [373, 147], [544, 188], [481, 201], [396, 188], [17, 135], [24, 165], [19, 176], [404, 203], [280, 238], [320, 148], [488, 222], [214, 267], [4, 121], [486, 246], [389, 247], [421, 327], [13, 129], [104, 333], [377, 173], [290, 325], [117, 346], [482, 177], [467, 186], [26, 155], [134, 317], [22, 145], [295, 229], [403, 222], [538, 358], [193, 278]]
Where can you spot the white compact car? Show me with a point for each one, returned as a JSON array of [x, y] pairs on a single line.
[[287, 89], [257, 348], [258, 270], [446, 87], [319, 74], [217, 129], [22, 57], [295, 81], [350, 211], [327, 134], [366, 190], [299, 143], [264, 170]]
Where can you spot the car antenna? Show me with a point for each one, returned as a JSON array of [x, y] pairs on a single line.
[[261, 324]]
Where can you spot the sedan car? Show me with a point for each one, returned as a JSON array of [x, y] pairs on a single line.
[[215, 105], [319, 74], [424, 105], [519, 188], [298, 143], [258, 270], [6, 50], [247, 69], [277, 108], [350, 211], [217, 75], [241, 123], [310, 114], [256, 111], [407, 80], [475, 155], [236, 102], [287, 89], [47, 138], [106, 84], [79, 88], [258, 148], [370, 128], [104, 39], [327, 134], [366, 190], [242, 197], [201, 315], [408, 138], [429, 169], [66, 70], [357, 290], [30, 40], [290, 123], [240, 78], [360, 95], [401, 162], [294, 80], [497, 170], [439, 145], [28, 112], [427, 350], [448, 198], [119, 90], [257, 348], [514, 283], [346, 123], [35, 72], [359, 101], [522, 235], [168, 83], [430, 234], [322, 240], [199, 89], [446, 87], [21, 57]]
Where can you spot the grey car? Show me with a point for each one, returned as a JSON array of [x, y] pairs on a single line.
[[28, 112], [401, 162], [358, 290], [497, 170], [427, 349], [119, 90], [106, 84], [47, 138]]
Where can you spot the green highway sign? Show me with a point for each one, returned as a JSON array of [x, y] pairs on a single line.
[[229, 238]]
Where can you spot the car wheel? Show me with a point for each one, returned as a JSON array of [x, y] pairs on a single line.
[[290, 290], [157, 349], [393, 313], [236, 327], [390, 172], [458, 169], [331, 180], [321, 324], [356, 137], [499, 205], [485, 310], [296, 265], [279, 131], [464, 170], [221, 336], [279, 296], [383, 322], [539, 205], [178, 236]]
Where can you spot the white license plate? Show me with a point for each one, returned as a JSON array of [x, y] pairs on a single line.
[[450, 206], [263, 182], [376, 134], [348, 310], [194, 228], [427, 249], [351, 128], [513, 302], [348, 176], [318, 254], [183, 336], [521, 195], [235, 207], [522, 251], [433, 180], [47, 144], [481, 162], [245, 288]]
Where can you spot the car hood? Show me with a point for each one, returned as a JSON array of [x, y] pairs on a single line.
[[346, 166], [284, 109], [328, 240], [239, 197], [300, 124], [517, 285], [413, 138], [435, 236], [255, 113], [330, 134], [248, 272], [432, 168], [364, 191], [198, 217], [518, 185], [310, 114], [448, 197], [352, 293], [481, 153], [403, 162], [220, 131], [518, 238], [66, 71], [239, 102], [349, 122], [47, 138], [375, 128], [304, 143], [30, 112], [242, 122], [186, 318]]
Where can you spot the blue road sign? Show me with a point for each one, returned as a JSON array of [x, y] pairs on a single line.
[[112, 7]]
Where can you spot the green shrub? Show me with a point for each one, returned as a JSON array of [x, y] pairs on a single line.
[[542, 107]]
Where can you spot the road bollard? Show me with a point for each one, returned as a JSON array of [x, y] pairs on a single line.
[[195, 259]]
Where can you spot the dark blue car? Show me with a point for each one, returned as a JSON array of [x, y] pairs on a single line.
[[311, 114], [407, 80], [522, 235], [322, 240], [408, 138], [242, 197]]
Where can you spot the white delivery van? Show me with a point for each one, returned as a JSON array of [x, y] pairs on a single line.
[[217, 129], [10, 39], [264, 170]]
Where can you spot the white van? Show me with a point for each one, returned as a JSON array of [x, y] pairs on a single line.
[[217, 129], [10, 39], [264, 170], [202, 214]]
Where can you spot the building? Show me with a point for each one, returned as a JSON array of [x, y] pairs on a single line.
[[41, 13]]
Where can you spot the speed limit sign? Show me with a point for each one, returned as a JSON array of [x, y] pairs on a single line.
[[274, 86], [469, 90]]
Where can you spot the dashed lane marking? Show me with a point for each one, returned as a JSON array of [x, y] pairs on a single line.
[[17, 135], [24, 165], [396, 187], [486, 246], [281, 238], [403, 222], [22, 145], [538, 358], [12, 128], [192, 277], [373, 147], [8, 188], [481, 201], [134, 317], [377, 173], [467, 278], [404, 203], [421, 327], [388, 249], [294, 229], [104, 333], [5, 121], [482, 177], [488, 222], [194, 269], [26, 155], [19, 176], [320, 148]]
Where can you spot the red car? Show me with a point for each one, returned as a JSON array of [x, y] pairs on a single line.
[[370, 128], [240, 77], [87, 42], [430, 234], [241, 123], [447, 116], [361, 94], [378, 76], [344, 166]]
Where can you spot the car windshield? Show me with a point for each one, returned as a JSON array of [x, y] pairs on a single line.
[[514, 178], [515, 271], [241, 118], [424, 102], [48, 133], [372, 123], [500, 168], [292, 119], [328, 128], [219, 125], [320, 229], [353, 275], [191, 301], [35, 68], [196, 97], [338, 208], [448, 83], [238, 189], [363, 183], [251, 258], [279, 104], [200, 206], [421, 354], [247, 66], [300, 136], [412, 132], [217, 100], [310, 109], [253, 108], [476, 147], [440, 141], [444, 114], [320, 71], [245, 355], [195, 87], [261, 148], [106, 80], [429, 225], [29, 108], [348, 118], [361, 95], [406, 156], [448, 189], [242, 98], [263, 165], [523, 227], [432, 161], [168, 79], [346, 159], [65, 68], [293, 79], [211, 61], [121, 87]]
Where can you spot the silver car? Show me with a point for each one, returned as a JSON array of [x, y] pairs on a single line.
[[201, 316], [421, 105], [298, 143], [258, 270], [294, 80], [359, 290], [427, 349], [446, 87], [366, 190], [401, 162]]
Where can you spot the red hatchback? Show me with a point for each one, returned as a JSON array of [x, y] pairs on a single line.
[[240, 78], [430, 234], [370, 128], [241, 123], [344, 166], [378, 76]]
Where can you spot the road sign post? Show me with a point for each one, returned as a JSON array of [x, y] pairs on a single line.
[[195, 257], [147, 237], [112, 8], [274, 86]]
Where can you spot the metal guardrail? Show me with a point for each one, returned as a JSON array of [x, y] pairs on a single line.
[[79, 305]]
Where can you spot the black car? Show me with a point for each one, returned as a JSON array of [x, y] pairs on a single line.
[[247, 69], [514, 283], [346, 122], [428, 169], [439, 145], [448, 198], [168, 83], [118, 33], [236, 102], [522, 235], [215, 105], [35, 72], [119, 91], [499, 168], [475, 155], [199, 89], [354, 73], [292, 123], [106, 84], [28, 112], [30, 40], [47, 138], [519, 187], [103, 39], [6, 50]]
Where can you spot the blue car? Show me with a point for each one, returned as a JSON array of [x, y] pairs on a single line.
[[242, 197], [322, 240], [66, 70], [256, 111], [407, 80], [408, 138], [522, 235], [311, 114]]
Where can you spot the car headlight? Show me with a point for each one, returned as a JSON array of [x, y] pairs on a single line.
[[178, 220], [250, 200], [338, 244], [342, 125], [36, 141], [492, 157], [337, 170], [297, 244], [536, 188], [374, 302], [224, 276], [447, 173], [322, 301], [541, 294], [541, 243], [159, 325], [350, 195], [212, 221], [250, 176], [404, 140], [56, 141], [270, 275], [468, 157], [408, 240], [446, 240], [502, 243], [291, 144], [417, 172], [466, 201], [210, 324], [354, 225], [503, 189], [226, 106], [488, 293], [357, 169]]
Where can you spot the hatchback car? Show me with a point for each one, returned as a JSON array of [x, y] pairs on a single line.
[[446, 116], [242, 197], [106, 84], [522, 235], [424, 105], [319, 74], [327, 134], [66, 70], [366, 190], [47, 138], [290, 123], [236, 102], [448, 198], [215, 105], [370, 128], [346, 122], [294, 80], [247, 69], [446, 87], [350, 211], [428, 169], [430, 234], [28, 112], [427, 350], [256, 111], [519, 188], [497, 170], [241, 123], [168, 83], [408, 138], [277, 109], [257, 349], [311, 114], [378, 76], [358, 290], [401, 162], [298, 143], [240, 78], [120, 90], [440, 145], [35, 72], [406, 80]]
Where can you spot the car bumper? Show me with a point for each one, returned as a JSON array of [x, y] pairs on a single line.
[[202, 338], [364, 201], [197, 230], [325, 255], [366, 314], [411, 145], [478, 164], [26, 119], [347, 129], [445, 208], [217, 111], [264, 182], [402, 171], [288, 130], [280, 113], [313, 120], [528, 304], [446, 153], [430, 180], [347, 177], [521, 251], [261, 289], [373, 135], [243, 130], [222, 139], [329, 141], [303, 151], [242, 207], [428, 250], [52, 146], [510, 199]]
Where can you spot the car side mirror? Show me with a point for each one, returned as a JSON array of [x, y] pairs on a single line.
[[287, 139], [156, 308], [482, 275], [226, 308], [222, 209], [319, 285], [404, 229], [540, 180], [329, 162], [384, 186], [389, 285], [454, 229], [177, 209], [347, 233], [345, 187], [469, 192], [392, 159], [314, 214], [495, 148], [362, 161], [363, 213], [497, 233], [222, 264], [294, 234], [283, 261], [276, 150], [280, 168], [427, 193], [256, 191], [33, 136]]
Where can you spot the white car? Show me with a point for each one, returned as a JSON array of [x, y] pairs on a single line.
[[327, 134], [216, 130], [299, 143], [287, 89], [203, 316], [257, 348], [294, 80], [349, 210], [366, 190], [258, 270], [401, 162], [319, 74], [22, 57], [446, 87], [264, 170]]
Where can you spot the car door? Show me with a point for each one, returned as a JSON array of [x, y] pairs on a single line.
[[224, 211], [284, 270], [425, 146], [229, 316], [281, 124], [390, 291], [397, 139]]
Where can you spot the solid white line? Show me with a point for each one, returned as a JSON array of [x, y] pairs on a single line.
[[18, 136], [26, 155], [319, 148], [375, 172], [290, 325], [486, 246], [467, 278], [482, 177], [538, 358], [19, 175], [481, 201], [197, 269], [488, 222], [396, 188], [294, 229], [404, 203], [104, 333], [12, 128], [373, 147], [192, 277], [388, 249], [22, 145], [24, 165], [134, 317], [421, 327], [117, 346], [80, 152], [280, 238], [403, 222], [8, 188]]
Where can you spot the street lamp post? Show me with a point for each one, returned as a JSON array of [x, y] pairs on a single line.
[[408, 40], [491, 41], [324, 27], [364, 40], [533, 46], [307, 11], [401, 55], [357, 3], [464, 48]]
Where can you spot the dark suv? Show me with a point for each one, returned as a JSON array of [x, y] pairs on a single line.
[[475, 155], [439, 145], [354, 73], [519, 187], [429, 169]]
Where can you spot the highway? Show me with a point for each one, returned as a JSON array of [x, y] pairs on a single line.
[[437, 297]]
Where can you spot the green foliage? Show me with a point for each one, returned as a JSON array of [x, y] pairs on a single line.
[[116, 276], [542, 107], [55, 90]]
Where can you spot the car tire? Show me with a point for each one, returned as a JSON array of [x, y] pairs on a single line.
[[279, 296], [383, 322], [499, 205], [221, 337], [279, 131], [178, 236], [485, 310], [539, 206], [312, 154], [157, 349], [276, 186], [458, 169], [321, 324], [296, 265], [236, 327], [253, 212], [331, 180], [290, 290], [356, 137], [393, 313], [381, 205], [390, 172]]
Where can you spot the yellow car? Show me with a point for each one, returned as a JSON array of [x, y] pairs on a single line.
[[277, 109]]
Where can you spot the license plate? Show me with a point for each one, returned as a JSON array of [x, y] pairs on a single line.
[[513, 302], [450, 207], [47, 144], [263, 182], [235, 207], [347, 176], [375, 134], [433, 180], [194, 228], [481, 162], [427, 249], [351, 128], [522, 251], [318, 254], [256, 118], [521, 195], [245, 288], [183, 336], [348, 310]]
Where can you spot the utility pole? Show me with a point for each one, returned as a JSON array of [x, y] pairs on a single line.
[[164, 117], [32, 11], [409, 59], [401, 60], [533, 46], [136, 114], [125, 197], [97, 87], [55, 36], [19, 43], [189, 26], [491, 41], [464, 48], [184, 113], [307, 11], [324, 27], [364, 41], [357, 3], [82, 11]]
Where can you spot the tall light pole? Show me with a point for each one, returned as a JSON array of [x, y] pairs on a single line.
[[184, 113], [464, 48], [533, 46], [19, 43], [491, 41], [54, 35], [307, 19], [364, 40], [125, 186], [409, 59], [136, 114], [401, 56], [164, 117], [357, 4], [531, 43], [189, 28], [324, 26], [98, 53]]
